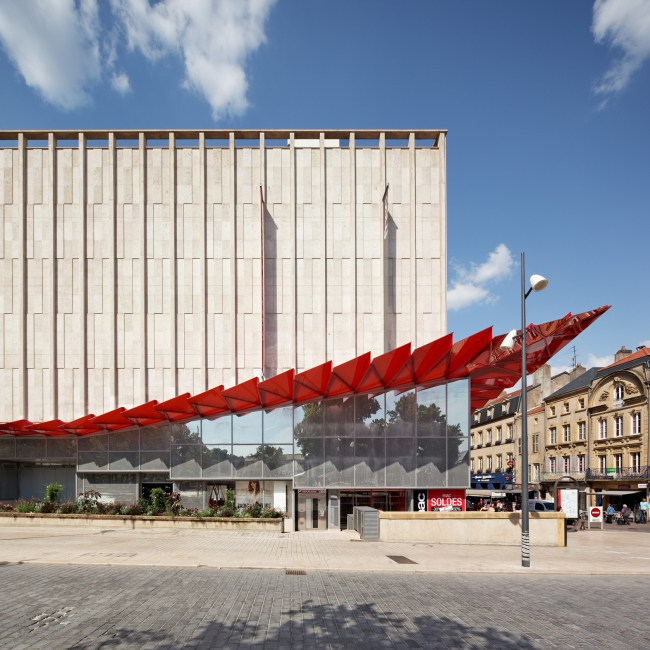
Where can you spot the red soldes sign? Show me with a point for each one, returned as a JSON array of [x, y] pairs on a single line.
[[446, 500]]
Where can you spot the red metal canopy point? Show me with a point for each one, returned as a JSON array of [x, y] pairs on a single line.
[[211, 403], [478, 357], [144, 414]]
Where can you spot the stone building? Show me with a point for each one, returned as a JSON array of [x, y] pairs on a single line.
[[143, 265]]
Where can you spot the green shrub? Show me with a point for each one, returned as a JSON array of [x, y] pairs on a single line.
[[52, 492], [225, 511], [27, 506], [230, 500], [89, 503], [115, 508], [68, 508], [159, 500], [204, 513]]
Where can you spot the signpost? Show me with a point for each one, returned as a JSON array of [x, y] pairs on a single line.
[[595, 516]]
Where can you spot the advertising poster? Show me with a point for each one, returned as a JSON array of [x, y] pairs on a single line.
[[446, 500], [568, 501]]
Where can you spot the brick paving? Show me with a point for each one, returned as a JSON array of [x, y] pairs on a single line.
[[89, 607]]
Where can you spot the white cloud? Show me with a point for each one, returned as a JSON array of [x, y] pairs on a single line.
[[645, 343], [214, 37], [469, 286], [599, 362], [556, 370], [54, 45], [625, 26], [120, 82]]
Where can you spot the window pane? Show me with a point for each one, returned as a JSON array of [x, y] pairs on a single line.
[[61, 448], [457, 462], [432, 462], [338, 418], [370, 415], [370, 462], [278, 425], [124, 460], [154, 461], [93, 443], [308, 421], [34, 448], [400, 412], [216, 461], [124, 441], [186, 460], [247, 428], [189, 433], [155, 438], [339, 461], [431, 412], [247, 461], [217, 432], [309, 457], [7, 448], [278, 460], [400, 462], [458, 408], [90, 461]]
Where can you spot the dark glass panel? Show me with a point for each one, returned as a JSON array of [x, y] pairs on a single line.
[[339, 462], [458, 462], [278, 461], [338, 418], [124, 440], [247, 461], [90, 461], [400, 462], [154, 461], [62, 448], [309, 462], [188, 433], [458, 408], [308, 421], [216, 461], [124, 460], [370, 462], [93, 443], [431, 419], [400, 412], [155, 438], [432, 462], [186, 460], [369, 415]]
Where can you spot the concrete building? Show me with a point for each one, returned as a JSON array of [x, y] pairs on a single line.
[[141, 265]]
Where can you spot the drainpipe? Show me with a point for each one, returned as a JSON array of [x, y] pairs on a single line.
[[588, 467]]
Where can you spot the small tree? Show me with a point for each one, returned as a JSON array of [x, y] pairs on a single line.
[[158, 498], [52, 492]]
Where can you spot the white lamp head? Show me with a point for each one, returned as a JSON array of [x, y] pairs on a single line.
[[509, 341], [538, 282]]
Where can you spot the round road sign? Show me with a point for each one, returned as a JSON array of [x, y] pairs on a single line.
[[595, 513]]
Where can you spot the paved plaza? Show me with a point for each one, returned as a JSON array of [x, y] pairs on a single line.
[[105, 588], [137, 607], [616, 550]]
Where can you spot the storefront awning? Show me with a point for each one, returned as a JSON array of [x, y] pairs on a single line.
[[615, 493]]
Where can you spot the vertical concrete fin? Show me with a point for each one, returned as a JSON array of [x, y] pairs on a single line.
[[112, 298], [204, 288], [413, 278], [83, 284], [143, 266], [353, 230], [22, 400], [327, 347], [233, 257], [51, 192], [294, 279], [383, 239], [442, 146], [173, 265], [262, 256]]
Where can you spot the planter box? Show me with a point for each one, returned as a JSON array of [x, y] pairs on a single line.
[[546, 528], [133, 522]]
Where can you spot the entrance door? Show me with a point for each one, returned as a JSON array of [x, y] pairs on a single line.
[[311, 510]]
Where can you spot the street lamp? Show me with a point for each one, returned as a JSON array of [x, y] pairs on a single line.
[[537, 283]]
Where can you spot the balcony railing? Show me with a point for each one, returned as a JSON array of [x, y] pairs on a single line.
[[555, 476], [618, 473]]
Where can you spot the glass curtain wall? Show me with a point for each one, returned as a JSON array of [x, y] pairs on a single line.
[[413, 439]]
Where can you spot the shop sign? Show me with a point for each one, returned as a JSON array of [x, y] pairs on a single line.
[[420, 500], [311, 492], [446, 500], [611, 470], [567, 499], [623, 487], [642, 485]]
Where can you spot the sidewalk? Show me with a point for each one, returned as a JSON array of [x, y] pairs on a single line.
[[624, 551]]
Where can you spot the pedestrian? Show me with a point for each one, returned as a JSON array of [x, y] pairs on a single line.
[[626, 513], [644, 510]]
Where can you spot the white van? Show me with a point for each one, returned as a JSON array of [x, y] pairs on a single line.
[[539, 505]]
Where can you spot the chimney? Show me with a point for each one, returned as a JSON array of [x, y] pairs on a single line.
[[542, 376], [577, 371], [622, 353]]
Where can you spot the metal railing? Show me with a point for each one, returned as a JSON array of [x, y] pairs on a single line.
[[555, 476], [618, 473]]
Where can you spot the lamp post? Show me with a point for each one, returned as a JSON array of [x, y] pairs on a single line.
[[537, 283]]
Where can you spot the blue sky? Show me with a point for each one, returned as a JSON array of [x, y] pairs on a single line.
[[546, 103]]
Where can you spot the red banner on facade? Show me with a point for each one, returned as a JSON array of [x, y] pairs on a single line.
[[446, 501]]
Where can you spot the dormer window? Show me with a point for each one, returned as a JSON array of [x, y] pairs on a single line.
[[566, 407], [552, 410], [618, 393]]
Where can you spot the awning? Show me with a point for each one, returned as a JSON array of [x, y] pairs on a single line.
[[478, 493], [615, 493]]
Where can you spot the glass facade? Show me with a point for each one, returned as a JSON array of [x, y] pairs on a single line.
[[369, 442]]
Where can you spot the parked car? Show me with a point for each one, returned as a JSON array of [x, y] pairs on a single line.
[[539, 505]]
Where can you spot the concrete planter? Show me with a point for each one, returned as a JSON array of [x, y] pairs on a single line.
[[133, 522], [546, 528]]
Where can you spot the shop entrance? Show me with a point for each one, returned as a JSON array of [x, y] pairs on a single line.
[[385, 500], [311, 510]]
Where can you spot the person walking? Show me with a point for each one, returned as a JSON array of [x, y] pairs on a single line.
[[643, 506]]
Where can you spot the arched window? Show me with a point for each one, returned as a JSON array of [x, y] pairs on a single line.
[[618, 393]]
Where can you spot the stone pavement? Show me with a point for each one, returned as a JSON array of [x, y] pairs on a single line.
[[623, 551], [91, 607]]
